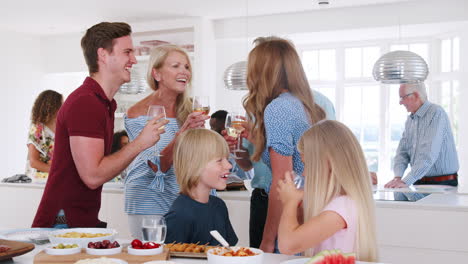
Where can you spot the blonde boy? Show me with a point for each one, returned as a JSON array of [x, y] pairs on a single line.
[[201, 164]]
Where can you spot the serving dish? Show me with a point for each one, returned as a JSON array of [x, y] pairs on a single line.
[[62, 251], [96, 260], [104, 251], [145, 252], [82, 241], [29, 235], [215, 256]]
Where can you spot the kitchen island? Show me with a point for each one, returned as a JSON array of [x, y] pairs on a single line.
[[269, 258], [430, 231]]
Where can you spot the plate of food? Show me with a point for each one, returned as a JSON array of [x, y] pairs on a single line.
[[188, 250], [101, 260], [63, 249], [82, 236], [29, 235], [238, 255], [296, 261], [10, 248]]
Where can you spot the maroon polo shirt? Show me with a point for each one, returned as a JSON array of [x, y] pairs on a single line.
[[87, 112]]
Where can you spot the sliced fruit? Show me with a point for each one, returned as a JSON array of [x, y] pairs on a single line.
[[334, 256]]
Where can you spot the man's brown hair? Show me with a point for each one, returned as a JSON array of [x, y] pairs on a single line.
[[101, 35]]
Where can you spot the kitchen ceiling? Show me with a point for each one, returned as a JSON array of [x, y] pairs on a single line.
[[46, 17]]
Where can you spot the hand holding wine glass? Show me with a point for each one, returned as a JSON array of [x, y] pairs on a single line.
[[234, 126], [153, 111]]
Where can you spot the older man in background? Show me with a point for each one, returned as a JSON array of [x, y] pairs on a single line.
[[427, 143]]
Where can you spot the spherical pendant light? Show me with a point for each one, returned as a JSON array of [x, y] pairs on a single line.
[[400, 67], [235, 76]]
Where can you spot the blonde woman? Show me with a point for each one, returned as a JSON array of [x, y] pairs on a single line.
[[201, 164], [282, 107], [150, 185], [337, 198]]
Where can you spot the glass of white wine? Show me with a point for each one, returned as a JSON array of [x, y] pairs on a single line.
[[201, 104], [153, 111], [154, 228], [234, 127]]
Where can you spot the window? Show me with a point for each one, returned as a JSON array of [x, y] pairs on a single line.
[[449, 85], [422, 49], [450, 54], [361, 114], [372, 110], [449, 101], [359, 62], [320, 64]]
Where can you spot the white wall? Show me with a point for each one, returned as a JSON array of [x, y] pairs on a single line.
[[20, 73]]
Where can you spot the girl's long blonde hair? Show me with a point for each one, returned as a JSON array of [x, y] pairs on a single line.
[[156, 61], [335, 165], [193, 150], [274, 65]]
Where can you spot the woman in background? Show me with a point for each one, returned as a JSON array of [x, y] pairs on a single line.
[[281, 107], [119, 140], [150, 185], [42, 133]]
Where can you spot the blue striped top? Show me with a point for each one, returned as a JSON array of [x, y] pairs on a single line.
[[427, 145], [148, 192]]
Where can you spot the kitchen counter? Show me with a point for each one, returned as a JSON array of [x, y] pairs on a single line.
[[268, 258], [430, 231]]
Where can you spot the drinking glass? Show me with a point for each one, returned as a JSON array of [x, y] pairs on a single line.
[[154, 228], [234, 126], [155, 110], [298, 180], [201, 104]]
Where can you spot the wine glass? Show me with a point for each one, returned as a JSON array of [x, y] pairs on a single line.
[[234, 127], [154, 228], [155, 110], [201, 104]]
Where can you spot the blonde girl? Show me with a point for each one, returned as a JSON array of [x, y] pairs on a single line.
[[201, 164], [337, 197]]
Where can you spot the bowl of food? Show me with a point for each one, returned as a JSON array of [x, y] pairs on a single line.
[[81, 236], [238, 255], [137, 247], [63, 249], [103, 248], [101, 260]]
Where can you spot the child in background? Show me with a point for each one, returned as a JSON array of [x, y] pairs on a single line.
[[201, 164], [337, 197]]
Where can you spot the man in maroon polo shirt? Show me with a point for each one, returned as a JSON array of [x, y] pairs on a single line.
[[83, 139]]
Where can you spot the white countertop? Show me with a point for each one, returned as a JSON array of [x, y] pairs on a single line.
[[438, 200], [269, 258]]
